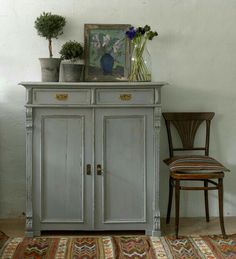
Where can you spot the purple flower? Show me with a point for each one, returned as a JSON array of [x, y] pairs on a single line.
[[141, 33], [141, 30], [131, 33]]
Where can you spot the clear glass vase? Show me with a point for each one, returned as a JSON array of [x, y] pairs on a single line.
[[140, 63]]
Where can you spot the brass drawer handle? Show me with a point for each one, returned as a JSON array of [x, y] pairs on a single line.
[[61, 97], [125, 97]]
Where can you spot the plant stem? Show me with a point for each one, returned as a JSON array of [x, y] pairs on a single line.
[[139, 69], [50, 47]]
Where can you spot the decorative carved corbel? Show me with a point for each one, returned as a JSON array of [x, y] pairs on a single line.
[[29, 119], [29, 96]]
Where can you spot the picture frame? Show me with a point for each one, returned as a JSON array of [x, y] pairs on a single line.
[[107, 52]]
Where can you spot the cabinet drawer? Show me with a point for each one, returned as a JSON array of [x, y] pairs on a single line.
[[125, 96], [63, 96]]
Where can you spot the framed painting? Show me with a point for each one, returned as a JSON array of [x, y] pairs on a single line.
[[107, 52]]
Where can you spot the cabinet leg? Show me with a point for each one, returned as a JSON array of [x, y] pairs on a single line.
[[29, 233], [154, 233]]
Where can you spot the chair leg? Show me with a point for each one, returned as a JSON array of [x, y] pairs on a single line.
[[221, 212], [177, 196], [169, 200], [206, 200]]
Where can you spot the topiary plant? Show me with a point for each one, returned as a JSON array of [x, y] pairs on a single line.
[[50, 26], [71, 50]]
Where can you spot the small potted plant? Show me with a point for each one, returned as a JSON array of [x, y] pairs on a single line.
[[72, 52], [50, 26]]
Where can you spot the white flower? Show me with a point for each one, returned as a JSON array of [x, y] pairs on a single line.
[[117, 45], [106, 40], [95, 41]]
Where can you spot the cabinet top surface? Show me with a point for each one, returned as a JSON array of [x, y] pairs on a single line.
[[92, 84]]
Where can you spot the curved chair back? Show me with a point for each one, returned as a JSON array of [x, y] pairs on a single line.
[[187, 124]]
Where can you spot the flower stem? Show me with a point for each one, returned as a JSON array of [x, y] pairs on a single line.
[[139, 69]]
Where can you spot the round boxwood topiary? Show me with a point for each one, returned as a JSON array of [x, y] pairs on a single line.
[[50, 26], [71, 50]]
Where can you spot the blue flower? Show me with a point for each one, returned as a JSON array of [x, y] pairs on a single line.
[[141, 33], [131, 33]]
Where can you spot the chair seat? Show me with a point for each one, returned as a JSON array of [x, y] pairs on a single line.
[[195, 164], [196, 176]]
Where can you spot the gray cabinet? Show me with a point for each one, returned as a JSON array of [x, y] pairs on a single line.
[[92, 159]]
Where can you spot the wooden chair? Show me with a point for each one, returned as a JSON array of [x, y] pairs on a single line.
[[192, 167]]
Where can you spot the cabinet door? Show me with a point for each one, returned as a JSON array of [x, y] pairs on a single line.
[[61, 185], [124, 149]]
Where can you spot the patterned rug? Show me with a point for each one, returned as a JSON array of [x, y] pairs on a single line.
[[117, 247]]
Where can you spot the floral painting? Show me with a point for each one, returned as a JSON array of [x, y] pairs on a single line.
[[106, 52]]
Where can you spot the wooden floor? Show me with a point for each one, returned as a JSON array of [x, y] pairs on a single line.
[[188, 226]]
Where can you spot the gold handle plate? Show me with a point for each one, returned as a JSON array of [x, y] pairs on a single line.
[[61, 97], [125, 97]]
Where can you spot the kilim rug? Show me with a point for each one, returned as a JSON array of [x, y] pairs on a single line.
[[117, 247]]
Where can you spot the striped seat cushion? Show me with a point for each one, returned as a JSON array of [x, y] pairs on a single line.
[[194, 163]]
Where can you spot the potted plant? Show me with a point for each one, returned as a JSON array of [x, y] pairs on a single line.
[[50, 26], [72, 52]]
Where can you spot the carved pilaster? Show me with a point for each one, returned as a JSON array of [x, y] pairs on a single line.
[[29, 168], [29, 224], [156, 209], [157, 222], [157, 119]]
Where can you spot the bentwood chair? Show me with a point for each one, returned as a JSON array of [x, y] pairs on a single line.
[[191, 167]]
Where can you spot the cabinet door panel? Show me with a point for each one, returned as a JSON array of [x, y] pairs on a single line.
[[62, 190], [121, 136], [124, 168], [63, 158]]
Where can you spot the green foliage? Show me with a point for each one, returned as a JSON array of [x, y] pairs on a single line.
[[50, 25], [71, 50]]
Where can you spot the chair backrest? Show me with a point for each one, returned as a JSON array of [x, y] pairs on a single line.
[[187, 124]]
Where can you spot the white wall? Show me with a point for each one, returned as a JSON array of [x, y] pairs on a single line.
[[195, 53]]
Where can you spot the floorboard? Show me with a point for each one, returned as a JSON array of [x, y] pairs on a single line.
[[188, 226]]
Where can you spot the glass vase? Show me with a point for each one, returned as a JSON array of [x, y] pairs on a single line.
[[140, 63]]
